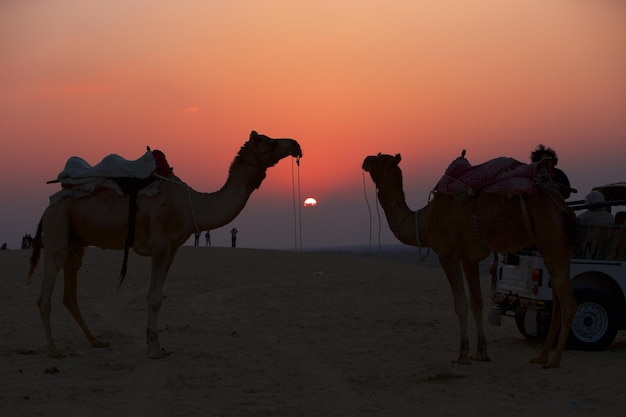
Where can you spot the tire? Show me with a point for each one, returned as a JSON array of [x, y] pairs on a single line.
[[543, 325], [595, 323], [519, 322]]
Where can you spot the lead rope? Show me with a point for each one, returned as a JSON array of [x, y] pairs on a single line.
[[297, 224], [369, 210], [297, 214], [371, 336]]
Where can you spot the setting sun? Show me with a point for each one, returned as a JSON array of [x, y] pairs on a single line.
[[309, 202]]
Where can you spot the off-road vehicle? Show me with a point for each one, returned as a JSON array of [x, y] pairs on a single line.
[[521, 285]]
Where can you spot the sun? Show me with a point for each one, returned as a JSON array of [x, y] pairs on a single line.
[[310, 202]]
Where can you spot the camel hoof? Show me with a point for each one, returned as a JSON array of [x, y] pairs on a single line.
[[99, 344], [539, 360], [159, 354], [55, 354], [551, 365]]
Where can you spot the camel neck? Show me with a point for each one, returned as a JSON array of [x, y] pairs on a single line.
[[400, 217], [403, 221], [213, 210]]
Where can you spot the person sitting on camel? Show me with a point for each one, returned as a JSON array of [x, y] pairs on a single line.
[[558, 176]]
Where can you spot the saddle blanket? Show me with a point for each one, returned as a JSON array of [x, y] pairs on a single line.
[[88, 188], [499, 175]]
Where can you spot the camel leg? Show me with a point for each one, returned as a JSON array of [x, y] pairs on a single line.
[[555, 323], [161, 263], [472, 275], [454, 274], [53, 260], [562, 292], [70, 299], [563, 312]]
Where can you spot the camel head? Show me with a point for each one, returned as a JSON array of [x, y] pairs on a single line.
[[381, 166], [264, 152]]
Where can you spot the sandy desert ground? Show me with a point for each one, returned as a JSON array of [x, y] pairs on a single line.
[[279, 333]]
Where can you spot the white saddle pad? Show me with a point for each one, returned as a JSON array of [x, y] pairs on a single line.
[[112, 166]]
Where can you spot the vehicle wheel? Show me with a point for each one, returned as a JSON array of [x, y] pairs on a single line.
[[519, 322], [595, 324], [542, 327]]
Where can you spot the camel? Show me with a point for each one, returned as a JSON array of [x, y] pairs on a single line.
[[163, 223], [462, 233]]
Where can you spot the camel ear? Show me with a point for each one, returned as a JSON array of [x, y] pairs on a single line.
[[254, 137], [398, 158]]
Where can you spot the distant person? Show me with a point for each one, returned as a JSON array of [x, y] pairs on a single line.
[[233, 235], [620, 218], [207, 238], [4, 246], [596, 216], [540, 153], [196, 241]]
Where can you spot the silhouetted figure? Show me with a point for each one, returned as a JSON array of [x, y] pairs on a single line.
[[233, 234], [27, 242], [207, 238], [558, 176], [196, 240], [596, 216], [4, 246]]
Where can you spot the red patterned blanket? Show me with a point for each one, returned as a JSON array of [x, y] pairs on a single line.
[[499, 175]]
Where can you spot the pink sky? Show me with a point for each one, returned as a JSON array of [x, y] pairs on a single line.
[[345, 78]]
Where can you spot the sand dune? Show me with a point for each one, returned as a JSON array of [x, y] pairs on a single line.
[[272, 333]]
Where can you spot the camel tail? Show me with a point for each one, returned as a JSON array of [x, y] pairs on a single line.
[[37, 244], [124, 267], [130, 238]]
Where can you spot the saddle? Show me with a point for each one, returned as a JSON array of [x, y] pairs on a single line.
[[499, 175], [127, 177], [130, 175]]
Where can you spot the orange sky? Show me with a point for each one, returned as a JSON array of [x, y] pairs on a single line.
[[345, 78]]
